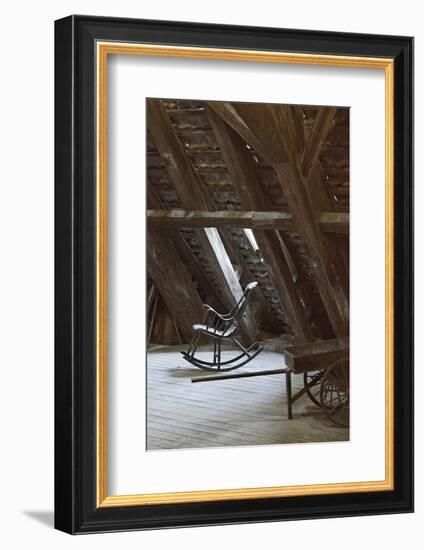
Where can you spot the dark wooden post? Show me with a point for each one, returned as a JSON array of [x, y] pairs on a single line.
[[173, 281]]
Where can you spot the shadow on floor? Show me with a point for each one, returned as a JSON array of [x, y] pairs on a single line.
[[46, 517], [181, 372]]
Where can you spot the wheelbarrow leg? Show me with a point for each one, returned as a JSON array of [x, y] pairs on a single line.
[[289, 394]]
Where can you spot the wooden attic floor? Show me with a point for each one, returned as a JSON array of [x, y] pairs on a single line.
[[249, 411]]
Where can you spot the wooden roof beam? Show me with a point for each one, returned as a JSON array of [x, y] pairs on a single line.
[[317, 135], [326, 277], [321, 196], [181, 296], [230, 116], [178, 165], [226, 218], [334, 222], [247, 275], [213, 297], [244, 177], [330, 222]]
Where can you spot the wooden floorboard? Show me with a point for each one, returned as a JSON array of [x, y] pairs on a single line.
[[249, 411]]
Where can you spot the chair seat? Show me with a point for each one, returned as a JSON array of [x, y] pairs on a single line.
[[209, 330]]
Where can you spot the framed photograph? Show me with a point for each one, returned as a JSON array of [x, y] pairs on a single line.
[[234, 267]]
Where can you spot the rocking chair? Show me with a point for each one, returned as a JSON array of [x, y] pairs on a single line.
[[220, 328]]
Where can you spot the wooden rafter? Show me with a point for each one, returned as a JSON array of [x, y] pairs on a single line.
[[318, 133], [326, 277], [192, 263], [181, 297], [178, 165], [309, 297], [153, 199], [228, 113], [320, 197], [234, 251], [244, 178]]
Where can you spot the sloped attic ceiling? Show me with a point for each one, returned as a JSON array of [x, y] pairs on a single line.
[[231, 157]]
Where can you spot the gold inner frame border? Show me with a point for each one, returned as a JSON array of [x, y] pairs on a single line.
[[103, 50]]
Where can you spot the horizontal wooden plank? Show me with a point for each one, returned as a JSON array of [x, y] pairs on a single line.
[[201, 218], [332, 222]]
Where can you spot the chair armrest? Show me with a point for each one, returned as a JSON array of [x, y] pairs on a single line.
[[224, 317]]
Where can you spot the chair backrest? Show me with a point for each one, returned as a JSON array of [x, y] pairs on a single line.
[[241, 305]]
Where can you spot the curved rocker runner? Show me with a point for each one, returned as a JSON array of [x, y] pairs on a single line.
[[223, 328]]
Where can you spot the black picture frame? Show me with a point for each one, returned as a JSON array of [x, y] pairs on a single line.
[[76, 510]]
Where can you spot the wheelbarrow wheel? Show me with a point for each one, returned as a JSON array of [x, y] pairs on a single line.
[[312, 384], [334, 392]]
